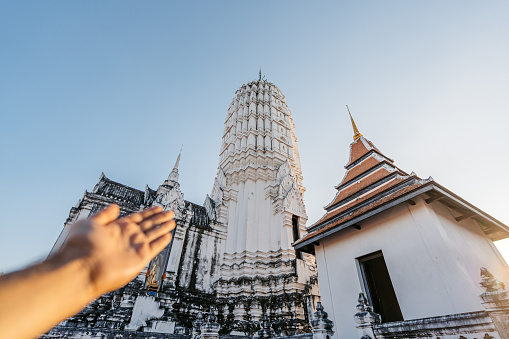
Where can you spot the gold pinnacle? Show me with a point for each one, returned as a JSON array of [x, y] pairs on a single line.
[[356, 132]]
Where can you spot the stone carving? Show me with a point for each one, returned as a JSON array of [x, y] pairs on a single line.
[[149, 196], [294, 202], [289, 195], [496, 301], [365, 318], [196, 334], [495, 290], [211, 208], [322, 326], [171, 199], [266, 330], [218, 188], [210, 328]]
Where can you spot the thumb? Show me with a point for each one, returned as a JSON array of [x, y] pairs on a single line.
[[107, 215]]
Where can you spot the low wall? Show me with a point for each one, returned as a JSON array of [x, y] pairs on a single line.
[[100, 333], [478, 323]]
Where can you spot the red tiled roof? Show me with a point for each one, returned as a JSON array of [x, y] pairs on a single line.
[[364, 166], [361, 184], [374, 179], [381, 193], [358, 201], [361, 147], [357, 150], [363, 210]]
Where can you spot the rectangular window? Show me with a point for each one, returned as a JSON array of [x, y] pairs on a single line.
[[378, 285], [296, 234]]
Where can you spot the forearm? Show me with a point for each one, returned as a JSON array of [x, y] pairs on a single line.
[[34, 300], [101, 254]]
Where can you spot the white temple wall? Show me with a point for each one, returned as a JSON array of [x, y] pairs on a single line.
[[264, 236], [268, 143], [176, 250], [200, 259], [432, 262], [238, 221], [260, 143], [467, 237], [60, 240], [287, 232], [231, 240], [276, 222], [252, 225], [260, 227], [83, 213], [250, 216]]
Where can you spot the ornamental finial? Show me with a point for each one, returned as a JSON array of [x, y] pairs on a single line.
[[356, 132], [260, 76], [174, 175], [178, 158]]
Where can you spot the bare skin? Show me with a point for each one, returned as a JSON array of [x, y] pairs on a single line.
[[101, 254]]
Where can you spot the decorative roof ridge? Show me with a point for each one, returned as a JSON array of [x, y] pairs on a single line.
[[193, 203], [105, 179], [108, 200], [410, 180], [147, 188]]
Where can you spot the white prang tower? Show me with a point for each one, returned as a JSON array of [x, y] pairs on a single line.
[[258, 196]]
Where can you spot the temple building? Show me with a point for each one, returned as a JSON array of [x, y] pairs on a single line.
[[397, 256], [422, 258], [231, 257]]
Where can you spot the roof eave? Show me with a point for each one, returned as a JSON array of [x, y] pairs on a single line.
[[432, 186], [474, 211], [354, 221]]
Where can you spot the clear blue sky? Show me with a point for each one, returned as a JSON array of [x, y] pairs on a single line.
[[118, 86]]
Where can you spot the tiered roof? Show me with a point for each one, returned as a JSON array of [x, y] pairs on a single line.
[[372, 184]]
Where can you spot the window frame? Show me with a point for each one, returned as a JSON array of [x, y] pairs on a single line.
[[364, 281]]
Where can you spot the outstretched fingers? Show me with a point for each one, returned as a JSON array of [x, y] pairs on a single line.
[[159, 231], [156, 219], [107, 215], [157, 245], [141, 216]]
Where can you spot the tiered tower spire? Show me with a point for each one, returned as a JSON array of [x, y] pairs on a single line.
[[258, 194]]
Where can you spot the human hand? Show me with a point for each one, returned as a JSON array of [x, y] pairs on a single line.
[[116, 250]]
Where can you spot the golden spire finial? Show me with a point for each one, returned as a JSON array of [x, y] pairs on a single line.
[[356, 132]]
